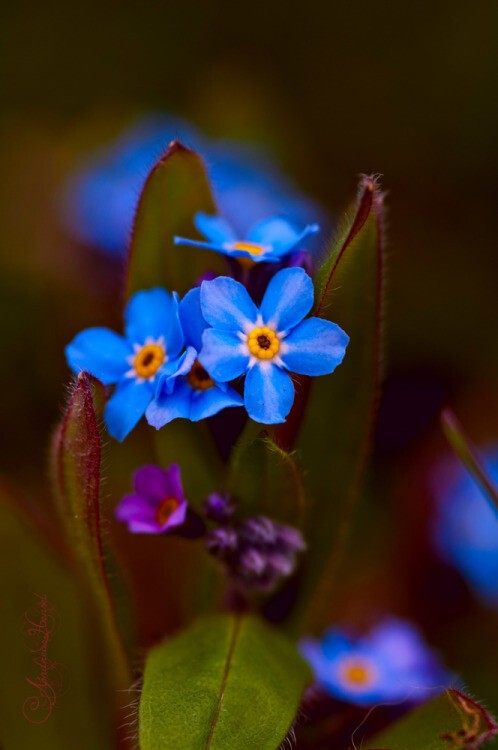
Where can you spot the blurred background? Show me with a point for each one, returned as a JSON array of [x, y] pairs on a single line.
[[330, 90]]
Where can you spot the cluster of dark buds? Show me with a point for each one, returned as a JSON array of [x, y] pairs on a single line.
[[256, 553]]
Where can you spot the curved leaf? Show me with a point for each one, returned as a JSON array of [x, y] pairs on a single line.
[[468, 455], [76, 464], [191, 445], [175, 190], [267, 479], [228, 682], [450, 722], [338, 420]]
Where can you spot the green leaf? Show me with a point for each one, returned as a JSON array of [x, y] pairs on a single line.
[[175, 190], [76, 466], [468, 455], [339, 414], [34, 568], [191, 445], [265, 478], [450, 722], [228, 682]]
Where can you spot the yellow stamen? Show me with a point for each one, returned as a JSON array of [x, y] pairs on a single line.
[[165, 509], [263, 343], [357, 674], [249, 247], [198, 378], [148, 360]]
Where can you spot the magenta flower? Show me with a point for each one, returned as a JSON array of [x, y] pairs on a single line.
[[158, 504]]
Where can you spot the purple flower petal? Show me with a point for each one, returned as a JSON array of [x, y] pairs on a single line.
[[151, 482]]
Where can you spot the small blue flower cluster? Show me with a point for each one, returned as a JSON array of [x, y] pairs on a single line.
[[180, 358], [257, 553]]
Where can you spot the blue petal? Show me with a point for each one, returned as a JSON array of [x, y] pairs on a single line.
[[191, 318], [126, 407], [170, 406], [268, 393], [154, 313], [223, 355], [179, 367], [288, 299], [206, 403], [100, 352], [280, 234], [226, 305], [216, 229], [217, 247], [314, 347]]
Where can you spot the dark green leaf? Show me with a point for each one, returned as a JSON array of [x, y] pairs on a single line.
[[227, 683], [450, 722], [191, 445], [76, 465], [80, 713], [467, 454], [175, 190], [338, 420], [265, 478]]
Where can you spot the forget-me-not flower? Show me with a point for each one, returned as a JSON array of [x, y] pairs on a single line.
[[270, 240], [100, 199], [152, 342], [466, 527], [267, 343], [391, 663], [158, 503], [189, 392]]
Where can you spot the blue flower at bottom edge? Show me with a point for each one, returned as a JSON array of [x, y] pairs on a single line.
[[152, 342], [390, 663], [465, 529], [269, 342], [189, 392], [269, 240]]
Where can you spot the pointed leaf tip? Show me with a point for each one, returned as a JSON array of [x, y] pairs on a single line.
[[468, 454], [176, 189]]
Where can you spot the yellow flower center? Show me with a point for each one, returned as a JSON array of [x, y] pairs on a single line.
[[148, 360], [165, 509], [198, 378], [357, 674], [249, 247], [263, 343]]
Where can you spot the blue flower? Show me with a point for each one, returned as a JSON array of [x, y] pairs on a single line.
[[152, 342], [390, 663], [269, 240], [100, 199], [189, 392], [269, 342], [466, 527]]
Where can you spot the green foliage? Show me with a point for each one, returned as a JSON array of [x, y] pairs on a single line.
[[467, 454], [176, 189], [227, 682], [190, 444], [76, 466], [265, 478], [83, 712], [338, 417], [450, 722]]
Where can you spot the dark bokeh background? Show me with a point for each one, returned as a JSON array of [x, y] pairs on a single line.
[[333, 89]]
